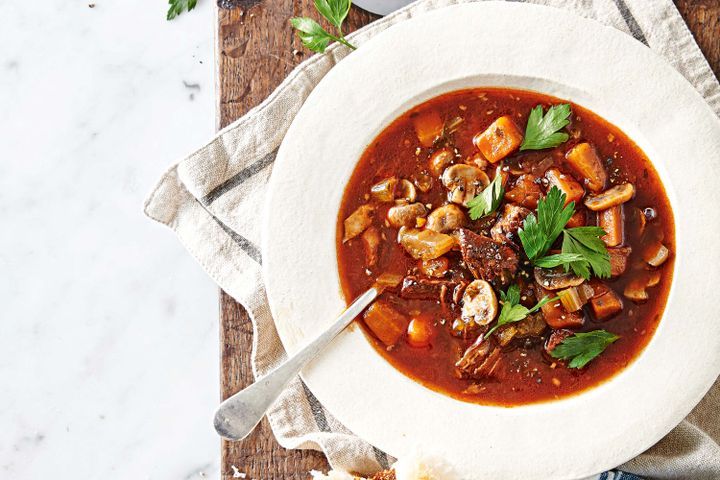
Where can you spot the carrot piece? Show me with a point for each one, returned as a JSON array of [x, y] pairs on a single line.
[[567, 185], [420, 331], [635, 290], [555, 314], [585, 161], [606, 305], [428, 127], [579, 219], [385, 322], [499, 140], [612, 221]]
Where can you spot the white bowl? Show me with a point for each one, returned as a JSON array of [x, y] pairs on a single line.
[[528, 47]]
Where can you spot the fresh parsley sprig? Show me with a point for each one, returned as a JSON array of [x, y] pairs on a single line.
[[314, 36], [512, 311], [544, 131], [586, 242], [540, 232], [583, 250], [581, 348], [488, 200], [555, 260], [179, 6]]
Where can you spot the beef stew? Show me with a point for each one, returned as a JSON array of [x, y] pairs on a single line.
[[531, 240]]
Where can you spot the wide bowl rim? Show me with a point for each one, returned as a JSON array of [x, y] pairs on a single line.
[[282, 271]]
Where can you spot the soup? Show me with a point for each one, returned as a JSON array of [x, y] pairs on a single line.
[[524, 246]]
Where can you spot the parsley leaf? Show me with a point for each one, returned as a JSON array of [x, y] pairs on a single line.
[[539, 232], [583, 250], [543, 132], [512, 311], [314, 36], [488, 200], [552, 215], [581, 348], [586, 242], [334, 10], [179, 6], [552, 261]]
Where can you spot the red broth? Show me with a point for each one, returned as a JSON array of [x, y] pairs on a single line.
[[525, 373]]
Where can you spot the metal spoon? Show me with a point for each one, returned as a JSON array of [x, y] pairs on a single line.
[[237, 416]]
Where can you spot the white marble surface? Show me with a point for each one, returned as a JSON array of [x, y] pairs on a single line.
[[108, 328]]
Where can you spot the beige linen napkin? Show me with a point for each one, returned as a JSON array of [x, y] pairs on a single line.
[[213, 200]]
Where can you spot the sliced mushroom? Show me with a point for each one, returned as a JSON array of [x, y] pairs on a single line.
[[358, 221], [423, 181], [405, 190], [556, 278], [611, 197], [656, 254], [446, 218], [384, 191], [463, 182], [653, 278], [440, 160], [405, 215], [635, 290], [425, 244], [637, 221], [371, 243], [479, 303]]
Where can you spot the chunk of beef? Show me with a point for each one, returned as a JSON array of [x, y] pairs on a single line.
[[506, 228], [495, 262], [619, 260], [480, 360], [526, 191], [425, 289], [556, 338], [533, 325]]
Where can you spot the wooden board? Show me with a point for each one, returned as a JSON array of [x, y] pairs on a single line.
[[256, 50]]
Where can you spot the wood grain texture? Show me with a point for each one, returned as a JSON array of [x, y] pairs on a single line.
[[703, 19], [256, 50]]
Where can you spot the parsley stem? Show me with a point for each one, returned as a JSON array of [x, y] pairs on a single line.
[[341, 39]]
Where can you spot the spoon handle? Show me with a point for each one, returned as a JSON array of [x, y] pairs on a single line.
[[237, 416]]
